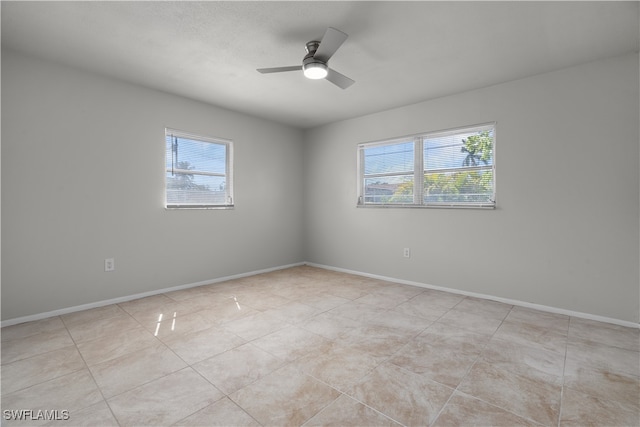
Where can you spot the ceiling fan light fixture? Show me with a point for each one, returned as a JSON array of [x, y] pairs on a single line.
[[315, 70], [315, 64]]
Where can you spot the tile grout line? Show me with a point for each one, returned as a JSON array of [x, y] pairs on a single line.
[[483, 349], [469, 370], [4, 365], [342, 393], [479, 356], [384, 360], [325, 406], [104, 399], [225, 395], [564, 368], [505, 409], [158, 341]]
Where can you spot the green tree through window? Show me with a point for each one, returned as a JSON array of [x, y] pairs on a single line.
[[447, 168], [184, 181], [470, 184], [198, 171]]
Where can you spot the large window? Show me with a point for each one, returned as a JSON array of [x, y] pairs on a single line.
[[198, 171], [454, 168]]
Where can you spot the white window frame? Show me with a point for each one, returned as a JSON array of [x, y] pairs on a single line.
[[228, 176], [419, 171]]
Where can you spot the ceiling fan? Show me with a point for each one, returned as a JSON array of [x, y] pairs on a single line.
[[315, 65]]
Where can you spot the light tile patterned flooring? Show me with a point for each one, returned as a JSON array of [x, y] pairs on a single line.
[[306, 346]]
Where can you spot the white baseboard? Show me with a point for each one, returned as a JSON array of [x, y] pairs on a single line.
[[484, 296], [102, 303]]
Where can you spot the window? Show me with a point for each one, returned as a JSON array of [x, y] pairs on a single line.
[[453, 168], [198, 171]]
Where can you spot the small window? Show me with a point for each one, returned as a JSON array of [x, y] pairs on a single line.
[[198, 171], [454, 168]]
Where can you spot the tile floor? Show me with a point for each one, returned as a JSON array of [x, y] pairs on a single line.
[[306, 346]]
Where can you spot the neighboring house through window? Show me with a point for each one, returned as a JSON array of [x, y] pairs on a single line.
[[453, 168]]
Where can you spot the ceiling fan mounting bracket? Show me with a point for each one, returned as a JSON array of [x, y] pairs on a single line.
[[309, 58], [312, 46]]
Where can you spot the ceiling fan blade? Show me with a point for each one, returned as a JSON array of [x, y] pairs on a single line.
[[280, 69], [331, 41], [338, 79]]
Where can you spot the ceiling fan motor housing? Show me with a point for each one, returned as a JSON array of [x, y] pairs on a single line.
[[312, 67]]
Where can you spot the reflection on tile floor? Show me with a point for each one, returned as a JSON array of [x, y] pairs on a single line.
[[307, 346]]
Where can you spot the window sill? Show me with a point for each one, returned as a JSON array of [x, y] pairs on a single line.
[[432, 206], [187, 207]]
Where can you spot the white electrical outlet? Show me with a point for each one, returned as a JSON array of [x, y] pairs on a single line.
[[406, 253], [109, 264]]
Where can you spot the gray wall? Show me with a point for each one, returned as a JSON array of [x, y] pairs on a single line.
[[566, 230], [82, 180], [83, 177]]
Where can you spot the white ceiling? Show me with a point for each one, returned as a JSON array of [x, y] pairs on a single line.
[[397, 52]]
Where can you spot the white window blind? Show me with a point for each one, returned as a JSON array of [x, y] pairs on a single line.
[[454, 168], [389, 172], [198, 171]]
